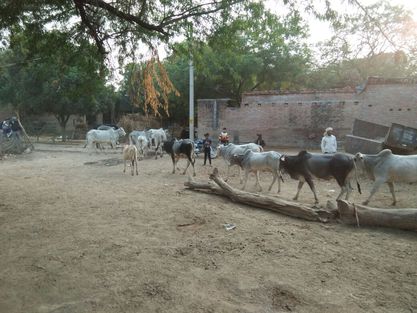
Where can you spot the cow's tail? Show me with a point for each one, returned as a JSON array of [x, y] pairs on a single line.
[[356, 178]]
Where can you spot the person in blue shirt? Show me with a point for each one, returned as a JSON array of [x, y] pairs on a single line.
[[207, 148]]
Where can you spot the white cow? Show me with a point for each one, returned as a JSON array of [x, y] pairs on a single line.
[[259, 161], [141, 141], [228, 151], [110, 136], [130, 153], [386, 167], [156, 138]]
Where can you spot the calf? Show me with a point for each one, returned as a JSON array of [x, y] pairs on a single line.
[[130, 153], [180, 148], [228, 151], [386, 167], [304, 166], [259, 161]]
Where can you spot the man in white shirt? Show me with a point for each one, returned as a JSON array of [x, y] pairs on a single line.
[[328, 142]]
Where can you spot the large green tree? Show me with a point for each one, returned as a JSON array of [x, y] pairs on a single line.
[[47, 72]]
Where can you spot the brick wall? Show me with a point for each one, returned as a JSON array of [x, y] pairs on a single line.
[[299, 119]]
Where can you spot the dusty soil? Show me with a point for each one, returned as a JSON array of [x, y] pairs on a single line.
[[78, 235]]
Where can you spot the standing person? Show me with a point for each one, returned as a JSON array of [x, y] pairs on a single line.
[[207, 148], [328, 142], [259, 141], [224, 137]]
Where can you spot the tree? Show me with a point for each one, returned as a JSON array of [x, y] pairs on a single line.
[[51, 74], [371, 32], [257, 50], [123, 23]]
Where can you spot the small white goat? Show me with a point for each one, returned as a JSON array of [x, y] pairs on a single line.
[[130, 153]]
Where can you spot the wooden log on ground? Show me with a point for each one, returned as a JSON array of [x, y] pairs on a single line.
[[276, 204], [361, 215]]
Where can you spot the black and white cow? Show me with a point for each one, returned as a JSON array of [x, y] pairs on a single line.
[[386, 167], [180, 148], [304, 166]]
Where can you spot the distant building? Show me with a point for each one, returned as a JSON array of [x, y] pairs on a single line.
[[298, 119]]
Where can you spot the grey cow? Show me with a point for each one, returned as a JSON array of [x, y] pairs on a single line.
[[228, 151], [259, 161], [386, 167]]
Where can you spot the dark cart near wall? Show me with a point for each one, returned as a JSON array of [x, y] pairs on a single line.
[[401, 139], [371, 138]]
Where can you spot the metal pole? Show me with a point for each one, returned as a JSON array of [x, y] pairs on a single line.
[[191, 116]]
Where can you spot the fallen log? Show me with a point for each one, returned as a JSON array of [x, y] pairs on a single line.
[[276, 204], [360, 215]]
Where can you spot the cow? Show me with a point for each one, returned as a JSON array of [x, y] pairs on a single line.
[[304, 166], [141, 141], [98, 137], [259, 161], [228, 151], [180, 148], [386, 167], [130, 153], [156, 138]]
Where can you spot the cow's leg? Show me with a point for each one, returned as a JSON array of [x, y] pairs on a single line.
[[186, 168], [391, 188], [300, 185], [193, 163], [246, 179], [342, 192], [133, 167], [240, 175], [257, 181], [173, 163], [156, 153], [374, 189], [124, 169], [228, 173], [274, 175], [313, 189]]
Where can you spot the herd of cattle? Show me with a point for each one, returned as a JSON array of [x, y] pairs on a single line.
[[384, 167]]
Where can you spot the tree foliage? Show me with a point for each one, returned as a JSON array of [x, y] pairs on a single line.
[[124, 23], [371, 31], [50, 74]]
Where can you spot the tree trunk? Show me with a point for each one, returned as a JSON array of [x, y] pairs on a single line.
[[63, 120], [361, 215], [276, 204]]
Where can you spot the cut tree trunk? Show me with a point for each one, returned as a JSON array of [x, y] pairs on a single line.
[[366, 216], [276, 204]]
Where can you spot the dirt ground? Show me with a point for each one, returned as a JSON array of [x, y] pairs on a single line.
[[78, 235]]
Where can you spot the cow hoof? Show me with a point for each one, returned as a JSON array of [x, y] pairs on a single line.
[[194, 175], [365, 202], [394, 203]]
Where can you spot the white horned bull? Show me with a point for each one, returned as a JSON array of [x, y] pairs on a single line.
[[386, 167]]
